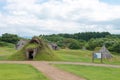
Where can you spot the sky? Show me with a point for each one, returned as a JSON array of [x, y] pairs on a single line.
[[35, 17]]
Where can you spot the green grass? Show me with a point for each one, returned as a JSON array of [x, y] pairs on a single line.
[[91, 72], [19, 72], [3, 44], [58, 55], [32, 46], [74, 55], [84, 56], [5, 52]]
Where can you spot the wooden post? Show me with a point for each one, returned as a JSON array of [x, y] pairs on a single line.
[[101, 58], [93, 57]]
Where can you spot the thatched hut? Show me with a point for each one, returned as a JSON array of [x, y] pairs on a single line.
[[104, 52], [53, 46], [21, 43]]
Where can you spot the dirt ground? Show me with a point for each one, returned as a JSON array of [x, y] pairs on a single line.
[[54, 73]]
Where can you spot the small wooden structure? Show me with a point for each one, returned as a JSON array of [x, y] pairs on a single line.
[[103, 53]]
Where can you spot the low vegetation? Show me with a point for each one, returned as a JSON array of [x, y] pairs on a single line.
[[5, 52], [74, 55], [84, 56], [20, 72], [91, 72], [62, 54]]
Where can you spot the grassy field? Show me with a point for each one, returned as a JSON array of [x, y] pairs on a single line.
[[5, 52], [65, 55], [92, 73], [84, 56], [74, 55], [19, 72]]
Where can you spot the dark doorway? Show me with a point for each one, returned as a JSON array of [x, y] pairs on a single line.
[[30, 56]]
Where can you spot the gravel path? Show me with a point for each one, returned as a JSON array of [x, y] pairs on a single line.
[[54, 73]]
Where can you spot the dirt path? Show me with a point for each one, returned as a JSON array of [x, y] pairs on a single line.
[[49, 71], [54, 73], [87, 64]]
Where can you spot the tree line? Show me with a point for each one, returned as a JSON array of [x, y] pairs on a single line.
[[10, 38], [86, 40]]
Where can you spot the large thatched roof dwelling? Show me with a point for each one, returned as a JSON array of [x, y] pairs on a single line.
[[35, 49]]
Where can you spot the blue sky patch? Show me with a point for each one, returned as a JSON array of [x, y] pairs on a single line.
[[2, 4], [113, 2]]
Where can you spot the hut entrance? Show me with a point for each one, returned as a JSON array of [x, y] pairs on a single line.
[[30, 55]]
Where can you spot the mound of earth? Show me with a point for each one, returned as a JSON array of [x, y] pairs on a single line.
[[35, 49]]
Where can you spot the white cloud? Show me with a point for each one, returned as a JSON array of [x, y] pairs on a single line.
[[56, 16]]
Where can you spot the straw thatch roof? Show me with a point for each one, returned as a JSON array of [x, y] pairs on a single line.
[[105, 52]]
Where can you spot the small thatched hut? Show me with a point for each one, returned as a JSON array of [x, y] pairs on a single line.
[[21, 43], [53, 46], [105, 52]]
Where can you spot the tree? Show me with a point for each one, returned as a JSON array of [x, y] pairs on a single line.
[[10, 38], [116, 47], [113, 44], [72, 43]]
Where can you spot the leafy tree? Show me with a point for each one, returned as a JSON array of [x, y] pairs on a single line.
[[52, 38], [93, 43], [116, 47], [72, 43], [113, 44], [10, 38]]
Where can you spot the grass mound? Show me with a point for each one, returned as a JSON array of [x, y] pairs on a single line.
[[43, 53]]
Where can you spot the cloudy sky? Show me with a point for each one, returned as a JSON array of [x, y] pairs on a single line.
[[34, 17]]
